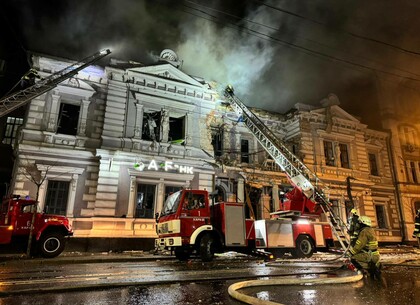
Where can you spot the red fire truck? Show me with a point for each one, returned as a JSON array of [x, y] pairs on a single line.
[[49, 231], [192, 223]]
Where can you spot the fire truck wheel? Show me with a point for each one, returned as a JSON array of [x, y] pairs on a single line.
[[51, 244], [304, 247], [207, 248], [182, 254]]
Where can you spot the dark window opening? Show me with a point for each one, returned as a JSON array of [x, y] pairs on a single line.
[[413, 171], [217, 142], [11, 129], [177, 130], [329, 153], [244, 151], [380, 216], [68, 119], [373, 165], [344, 156], [151, 126], [56, 199], [145, 205]]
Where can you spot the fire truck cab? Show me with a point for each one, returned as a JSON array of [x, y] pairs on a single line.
[[49, 231]]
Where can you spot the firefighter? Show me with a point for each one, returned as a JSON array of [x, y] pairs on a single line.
[[29, 78], [353, 222], [364, 255], [416, 232]]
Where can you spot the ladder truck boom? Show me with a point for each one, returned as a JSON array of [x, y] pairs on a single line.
[[297, 172], [22, 97]]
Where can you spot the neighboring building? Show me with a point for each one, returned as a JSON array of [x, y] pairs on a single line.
[[113, 142], [400, 115], [334, 145]]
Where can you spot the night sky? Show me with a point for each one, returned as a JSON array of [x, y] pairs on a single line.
[[275, 53]]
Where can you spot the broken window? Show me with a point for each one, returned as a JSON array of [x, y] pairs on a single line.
[[152, 126], [244, 151], [217, 142], [68, 119], [176, 133], [145, 205], [329, 153]]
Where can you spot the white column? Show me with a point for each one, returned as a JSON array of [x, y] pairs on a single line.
[[275, 195], [139, 120], [81, 131], [165, 127], [241, 190], [52, 122], [42, 192], [160, 196], [132, 197], [72, 195]]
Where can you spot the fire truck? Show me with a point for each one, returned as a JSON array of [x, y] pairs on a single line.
[[189, 224], [49, 231]]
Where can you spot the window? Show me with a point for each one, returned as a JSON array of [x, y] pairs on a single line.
[[68, 119], [413, 171], [177, 130], [373, 165], [217, 142], [244, 151], [380, 216], [152, 126], [344, 156], [56, 199], [335, 207], [11, 129], [329, 153], [145, 204]]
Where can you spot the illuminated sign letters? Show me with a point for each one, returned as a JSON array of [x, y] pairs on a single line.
[[166, 166]]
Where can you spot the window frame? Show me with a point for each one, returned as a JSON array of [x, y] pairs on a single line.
[[153, 208], [381, 223]]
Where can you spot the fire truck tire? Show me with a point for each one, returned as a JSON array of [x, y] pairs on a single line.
[[182, 254], [51, 244], [304, 247], [207, 248]]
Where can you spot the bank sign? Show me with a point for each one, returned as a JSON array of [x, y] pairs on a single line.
[[167, 166]]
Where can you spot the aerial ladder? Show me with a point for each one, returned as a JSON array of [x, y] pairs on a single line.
[[297, 172], [22, 97]]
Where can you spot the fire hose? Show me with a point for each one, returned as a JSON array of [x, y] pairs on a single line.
[[233, 289]]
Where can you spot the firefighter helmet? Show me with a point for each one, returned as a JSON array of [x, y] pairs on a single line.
[[354, 212], [365, 220]]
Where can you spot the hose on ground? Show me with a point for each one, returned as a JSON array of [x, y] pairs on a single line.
[[233, 289]]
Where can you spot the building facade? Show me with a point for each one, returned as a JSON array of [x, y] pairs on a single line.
[[400, 113], [109, 145]]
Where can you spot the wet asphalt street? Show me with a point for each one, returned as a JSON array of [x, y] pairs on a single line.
[[155, 280]]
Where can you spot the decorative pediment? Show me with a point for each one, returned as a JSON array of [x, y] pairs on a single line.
[[336, 112], [75, 86], [165, 71]]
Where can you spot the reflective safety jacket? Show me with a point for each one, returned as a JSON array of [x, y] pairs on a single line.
[[366, 242], [416, 232]]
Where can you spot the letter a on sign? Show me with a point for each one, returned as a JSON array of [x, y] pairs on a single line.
[[152, 165]]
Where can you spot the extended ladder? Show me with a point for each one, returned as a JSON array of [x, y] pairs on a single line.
[[20, 98], [298, 173]]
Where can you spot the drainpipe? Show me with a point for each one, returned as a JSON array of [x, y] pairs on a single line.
[[397, 186]]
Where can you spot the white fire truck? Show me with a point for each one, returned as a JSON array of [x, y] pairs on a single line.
[[191, 222]]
